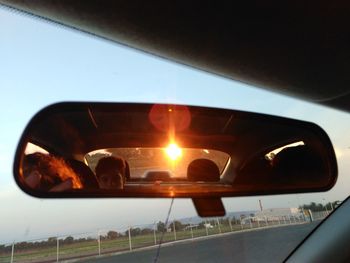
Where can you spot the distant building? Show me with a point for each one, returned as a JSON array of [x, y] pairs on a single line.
[[191, 226], [278, 212], [273, 214]]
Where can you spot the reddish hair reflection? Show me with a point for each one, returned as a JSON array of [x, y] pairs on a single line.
[[49, 172]]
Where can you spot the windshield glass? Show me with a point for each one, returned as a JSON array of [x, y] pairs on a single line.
[[42, 63], [171, 159]]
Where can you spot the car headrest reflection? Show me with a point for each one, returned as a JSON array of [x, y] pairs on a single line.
[[203, 170]]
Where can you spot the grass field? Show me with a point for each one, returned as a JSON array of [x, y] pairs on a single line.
[[91, 247]]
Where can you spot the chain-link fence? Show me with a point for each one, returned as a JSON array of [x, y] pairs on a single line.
[[55, 249]]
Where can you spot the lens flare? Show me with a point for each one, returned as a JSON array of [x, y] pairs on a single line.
[[173, 151]]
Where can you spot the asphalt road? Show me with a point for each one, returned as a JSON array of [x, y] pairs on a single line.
[[267, 245]]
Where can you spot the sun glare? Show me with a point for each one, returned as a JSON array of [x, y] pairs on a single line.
[[173, 151]]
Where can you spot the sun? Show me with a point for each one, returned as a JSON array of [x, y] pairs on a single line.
[[173, 151]]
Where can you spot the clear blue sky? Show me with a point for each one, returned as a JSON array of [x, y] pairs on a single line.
[[41, 63]]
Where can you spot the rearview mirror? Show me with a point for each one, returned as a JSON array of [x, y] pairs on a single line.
[[160, 150]]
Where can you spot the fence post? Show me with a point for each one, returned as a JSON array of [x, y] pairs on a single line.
[[206, 227], [217, 220], [154, 233], [290, 221], [240, 222], [258, 222], [12, 251], [266, 222], [174, 230], [191, 229], [250, 222], [229, 221], [57, 249], [130, 248], [311, 216], [303, 219], [279, 220], [284, 220], [327, 213], [99, 242]]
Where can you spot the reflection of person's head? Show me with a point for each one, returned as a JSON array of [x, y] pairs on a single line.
[[110, 172], [48, 173], [31, 168], [298, 164]]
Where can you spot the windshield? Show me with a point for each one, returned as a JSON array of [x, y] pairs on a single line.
[[42, 63], [171, 159]]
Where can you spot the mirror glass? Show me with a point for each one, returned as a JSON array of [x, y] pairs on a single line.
[[163, 150]]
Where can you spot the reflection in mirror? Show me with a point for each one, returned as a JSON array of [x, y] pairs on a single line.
[[45, 172], [144, 163], [287, 165], [145, 150]]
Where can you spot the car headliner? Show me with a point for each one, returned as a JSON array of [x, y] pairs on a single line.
[[298, 49]]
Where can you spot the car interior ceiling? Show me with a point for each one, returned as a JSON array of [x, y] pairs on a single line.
[[298, 49], [295, 49]]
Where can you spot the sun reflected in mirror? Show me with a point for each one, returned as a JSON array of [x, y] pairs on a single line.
[[173, 151]]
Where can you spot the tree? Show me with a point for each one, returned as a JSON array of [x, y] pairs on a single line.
[[3, 249], [135, 231], [178, 225], [68, 240], [146, 231], [52, 240], [319, 207], [161, 226], [112, 235]]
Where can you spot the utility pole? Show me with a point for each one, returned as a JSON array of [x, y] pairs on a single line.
[[130, 247], [174, 230], [99, 242], [12, 251], [325, 205]]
